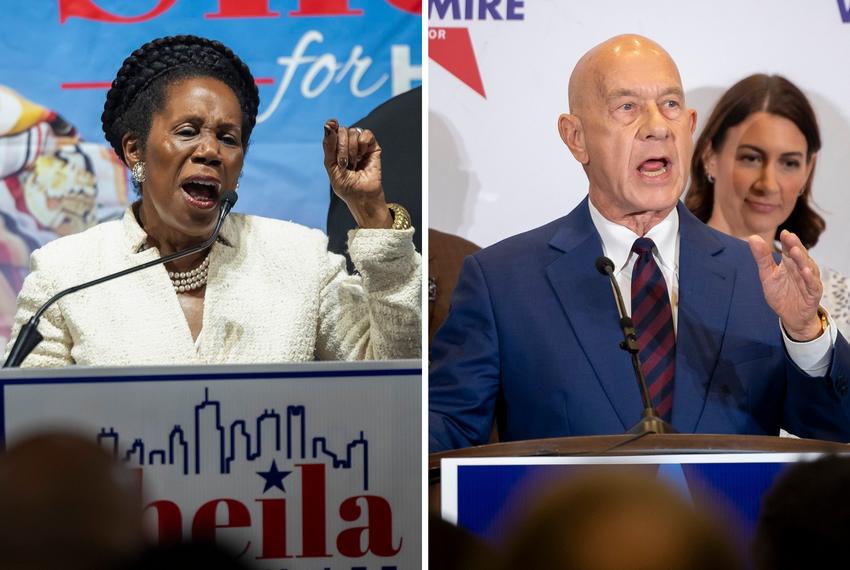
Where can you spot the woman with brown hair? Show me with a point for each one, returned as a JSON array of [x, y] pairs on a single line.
[[752, 170]]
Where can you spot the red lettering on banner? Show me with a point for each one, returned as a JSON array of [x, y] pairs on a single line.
[[313, 515], [412, 6], [204, 524], [169, 521], [374, 535], [325, 8], [274, 529], [88, 10], [227, 9], [242, 9], [379, 525]]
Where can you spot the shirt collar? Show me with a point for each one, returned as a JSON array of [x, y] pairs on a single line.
[[617, 240], [137, 238]]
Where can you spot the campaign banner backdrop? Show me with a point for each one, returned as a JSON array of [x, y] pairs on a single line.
[[498, 77], [490, 497], [312, 60], [313, 466]]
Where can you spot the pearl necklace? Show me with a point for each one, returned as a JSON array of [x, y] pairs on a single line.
[[190, 280]]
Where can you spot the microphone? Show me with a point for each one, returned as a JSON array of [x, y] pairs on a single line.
[[649, 422], [29, 337]]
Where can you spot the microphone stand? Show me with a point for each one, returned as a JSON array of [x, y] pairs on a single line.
[[649, 421], [29, 337]]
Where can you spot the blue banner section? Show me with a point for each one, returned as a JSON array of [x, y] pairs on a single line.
[[312, 59], [493, 499]]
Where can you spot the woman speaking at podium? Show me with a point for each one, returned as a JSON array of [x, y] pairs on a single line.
[[180, 114]]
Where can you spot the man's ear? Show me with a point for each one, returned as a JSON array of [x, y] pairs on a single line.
[[572, 133], [132, 149], [692, 114]]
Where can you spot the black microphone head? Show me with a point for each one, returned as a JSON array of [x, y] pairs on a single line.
[[229, 198], [604, 265]]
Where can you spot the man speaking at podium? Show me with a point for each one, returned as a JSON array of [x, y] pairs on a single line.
[[730, 341]]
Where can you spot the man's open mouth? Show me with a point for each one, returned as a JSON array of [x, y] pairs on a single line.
[[654, 167]]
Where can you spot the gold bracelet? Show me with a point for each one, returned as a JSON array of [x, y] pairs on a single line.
[[401, 217], [824, 322]]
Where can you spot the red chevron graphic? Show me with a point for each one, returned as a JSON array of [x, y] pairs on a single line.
[[452, 49]]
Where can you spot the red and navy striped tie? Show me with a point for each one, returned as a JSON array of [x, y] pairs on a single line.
[[653, 319]]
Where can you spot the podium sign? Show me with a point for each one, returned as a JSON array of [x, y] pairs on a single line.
[[308, 466], [490, 496]]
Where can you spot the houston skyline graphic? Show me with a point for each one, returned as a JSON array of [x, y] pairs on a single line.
[[215, 447]]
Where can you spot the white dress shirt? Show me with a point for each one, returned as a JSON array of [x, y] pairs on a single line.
[[811, 357]]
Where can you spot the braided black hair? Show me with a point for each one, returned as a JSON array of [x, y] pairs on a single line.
[[139, 88]]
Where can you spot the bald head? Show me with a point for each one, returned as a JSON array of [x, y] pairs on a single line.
[[629, 128], [588, 77]]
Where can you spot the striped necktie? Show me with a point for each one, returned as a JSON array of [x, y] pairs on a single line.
[[653, 319]]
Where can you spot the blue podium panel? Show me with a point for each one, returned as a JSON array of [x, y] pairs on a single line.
[[306, 466], [489, 497]]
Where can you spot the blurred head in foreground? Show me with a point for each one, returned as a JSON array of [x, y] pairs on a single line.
[[64, 503], [618, 521], [186, 555], [452, 547], [805, 518]]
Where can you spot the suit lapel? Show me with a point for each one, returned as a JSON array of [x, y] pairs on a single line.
[[706, 284], [588, 303]]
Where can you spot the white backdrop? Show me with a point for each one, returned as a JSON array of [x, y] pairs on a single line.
[[497, 165]]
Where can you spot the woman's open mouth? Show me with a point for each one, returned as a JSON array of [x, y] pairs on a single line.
[[201, 193]]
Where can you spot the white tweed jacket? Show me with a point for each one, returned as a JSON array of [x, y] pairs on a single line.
[[275, 294]]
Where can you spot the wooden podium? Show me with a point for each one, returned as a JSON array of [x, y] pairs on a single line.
[[488, 491], [651, 444]]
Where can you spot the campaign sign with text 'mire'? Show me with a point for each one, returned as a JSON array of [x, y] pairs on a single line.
[[311, 466]]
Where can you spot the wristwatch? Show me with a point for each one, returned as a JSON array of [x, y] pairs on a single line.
[[824, 322]]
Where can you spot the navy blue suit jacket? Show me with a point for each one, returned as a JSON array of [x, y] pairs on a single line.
[[533, 338]]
